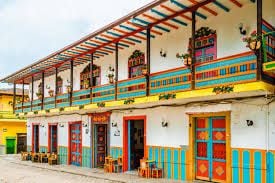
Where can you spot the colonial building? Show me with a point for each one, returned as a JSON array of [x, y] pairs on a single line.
[[13, 131], [173, 81]]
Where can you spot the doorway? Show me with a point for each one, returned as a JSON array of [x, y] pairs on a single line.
[[52, 146], [10, 145], [75, 143], [100, 145], [210, 149], [35, 138], [21, 142], [134, 142]]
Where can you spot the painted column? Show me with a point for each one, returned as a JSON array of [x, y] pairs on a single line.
[[148, 57], [43, 83], [91, 76], [32, 93], [116, 70], [259, 31], [72, 81], [56, 88], [14, 96], [193, 52], [23, 94]]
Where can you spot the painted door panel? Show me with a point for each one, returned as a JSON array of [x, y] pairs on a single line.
[[10, 146], [210, 149], [101, 144], [35, 142], [53, 138], [76, 145]]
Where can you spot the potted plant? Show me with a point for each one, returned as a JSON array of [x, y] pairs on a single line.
[[26, 99], [110, 74], [39, 95], [186, 58], [50, 91], [253, 41], [86, 84], [144, 70], [69, 88]]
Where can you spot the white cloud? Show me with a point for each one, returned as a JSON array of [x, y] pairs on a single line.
[[32, 29]]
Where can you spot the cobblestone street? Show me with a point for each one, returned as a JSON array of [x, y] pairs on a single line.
[[12, 170]]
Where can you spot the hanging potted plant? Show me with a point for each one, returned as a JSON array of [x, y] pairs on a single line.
[[110, 74], [50, 91], [253, 41], [39, 95], [144, 70], [69, 88], [187, 60], [86, 83], [26, 99]]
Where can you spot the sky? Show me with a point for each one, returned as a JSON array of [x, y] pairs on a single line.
[[33, 29]]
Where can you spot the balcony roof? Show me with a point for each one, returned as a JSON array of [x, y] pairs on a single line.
[[161, 16]]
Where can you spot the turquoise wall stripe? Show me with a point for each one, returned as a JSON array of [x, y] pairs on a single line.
[[27, 110], [270, 167], [246, 166], [49, 106], [150, 153], [157, 157], [183, 163], [43, 149], [25, 104], [225, 63], [169, 168], [257, 167], [176, 162], [62, 155], [169, 74], [51, 99], [86, 157], [64, 96], [235, 166], [132, 82], [115, 152], [170, 88], [36, 102], [36, 108], [29, 148], [226, 80], [63, 104]]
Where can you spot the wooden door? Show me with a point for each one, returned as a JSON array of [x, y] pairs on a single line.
[[53, 138], [10, 146], [101, 144], [210, 149], [21, 142], [35, 138], [76, 144]]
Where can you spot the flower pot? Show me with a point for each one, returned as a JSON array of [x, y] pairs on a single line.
[[51, 93], [254, 45], [86, 86], [111, 79], [188, 61]]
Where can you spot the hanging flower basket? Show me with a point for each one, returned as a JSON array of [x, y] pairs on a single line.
[[187, 60], [111, 79], [253, 41], [144, 70], [51, 93]]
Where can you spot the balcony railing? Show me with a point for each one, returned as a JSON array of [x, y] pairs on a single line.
[[241, 68], [7, 115]]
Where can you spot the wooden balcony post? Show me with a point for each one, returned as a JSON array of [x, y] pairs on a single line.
[[148, 58], [32, 93], [43, 90], [72, 81], [56, 87], [14, 96], [193, 51], [23, 94], [259, 31], [91, 77], [116, 71]]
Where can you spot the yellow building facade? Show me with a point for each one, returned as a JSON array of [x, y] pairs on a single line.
[[12, 128]]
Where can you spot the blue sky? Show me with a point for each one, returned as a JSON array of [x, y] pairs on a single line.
[[33, 29]]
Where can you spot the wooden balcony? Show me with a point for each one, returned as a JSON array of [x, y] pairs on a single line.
[[233, 70]]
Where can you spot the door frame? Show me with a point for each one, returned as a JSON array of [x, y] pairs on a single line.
[[191, 172], [69, 140], [35, 124], [49, 136], [125, 138]]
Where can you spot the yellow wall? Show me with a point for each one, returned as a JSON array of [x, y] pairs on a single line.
[[4, 103]]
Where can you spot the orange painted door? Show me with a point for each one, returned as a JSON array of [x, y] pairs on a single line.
[[210, 149]]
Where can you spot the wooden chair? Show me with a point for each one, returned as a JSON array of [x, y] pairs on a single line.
[[24, 156], [107, 164], [35, 157], [118, 166], [52, 160], [144, 169]]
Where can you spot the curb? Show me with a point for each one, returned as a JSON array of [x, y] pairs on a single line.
[[69, 172]]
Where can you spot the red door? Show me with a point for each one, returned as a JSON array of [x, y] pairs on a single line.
[[101, 144], [210, 149], [75, 143]]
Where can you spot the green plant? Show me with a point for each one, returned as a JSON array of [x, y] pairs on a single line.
[[223, 89], [25, 113], [35, 112], [61, 109], [47, 110], [204, 31], [167, 96], [183, 56], [100, 104], [81, 107], [129, 101], [136, 54]]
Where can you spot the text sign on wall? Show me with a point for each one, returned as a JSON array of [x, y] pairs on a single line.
[[101, 117]]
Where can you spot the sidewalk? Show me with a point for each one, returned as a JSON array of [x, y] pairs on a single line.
[[89, 172]]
